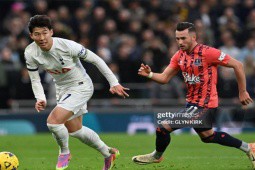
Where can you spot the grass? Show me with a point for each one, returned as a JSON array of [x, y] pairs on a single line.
[[39, 152]]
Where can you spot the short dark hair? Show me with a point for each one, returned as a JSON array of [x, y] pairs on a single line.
[[39, 21], [185, 25]]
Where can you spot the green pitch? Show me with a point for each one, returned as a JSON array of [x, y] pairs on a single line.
[[39, 152]]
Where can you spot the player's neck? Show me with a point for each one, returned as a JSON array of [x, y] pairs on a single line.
[[192, 48]]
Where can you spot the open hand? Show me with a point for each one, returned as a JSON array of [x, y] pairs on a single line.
[[119, 90], [144, 70], [245, 98]]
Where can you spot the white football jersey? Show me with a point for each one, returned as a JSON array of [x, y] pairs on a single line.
[[61, 62]]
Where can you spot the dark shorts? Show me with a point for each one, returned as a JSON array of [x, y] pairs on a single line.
[[207, 116]]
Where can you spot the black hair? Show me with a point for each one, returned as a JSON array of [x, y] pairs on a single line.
[[185, 25], [39, 21]]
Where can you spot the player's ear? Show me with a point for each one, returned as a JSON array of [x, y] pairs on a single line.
[[31, 36], [51, 32], [194, 36]]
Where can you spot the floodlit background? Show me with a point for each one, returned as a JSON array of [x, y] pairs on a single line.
[[125, 33]]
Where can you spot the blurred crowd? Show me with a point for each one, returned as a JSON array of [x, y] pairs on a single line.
[[126, 33]]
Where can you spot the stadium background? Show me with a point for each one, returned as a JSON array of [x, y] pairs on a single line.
[[125, 33]]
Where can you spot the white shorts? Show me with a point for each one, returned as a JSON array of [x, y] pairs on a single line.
[[75, 99]]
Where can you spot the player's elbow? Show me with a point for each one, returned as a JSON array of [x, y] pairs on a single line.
[[239, 65], [162, 82], [165, 81]]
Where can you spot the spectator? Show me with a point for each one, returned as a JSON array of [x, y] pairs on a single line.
[[251, 83], [142, 30], [103, 49], [4, 90], [24, 90], [204, 34], [248, 50], [229, 44]]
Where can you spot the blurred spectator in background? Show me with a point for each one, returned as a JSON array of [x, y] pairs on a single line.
[[4, 89], [125, 63], [193, 10], [40, 7], [251, 83], [205, 15], [229, 44], [174, 89], [204, 34], [245, 8], [24, 91], [103, 48], [10, 67], [227, 76], [10, 59], [247, 50], [159, 50], [125, 32]]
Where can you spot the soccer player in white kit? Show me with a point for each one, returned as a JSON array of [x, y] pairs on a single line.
[[61, 59]]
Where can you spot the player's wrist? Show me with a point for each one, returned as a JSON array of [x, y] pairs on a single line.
[[242, 91], [150, 75]]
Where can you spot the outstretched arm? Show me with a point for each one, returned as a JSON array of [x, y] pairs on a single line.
[[161, 78], [115, 87], [244, 96]]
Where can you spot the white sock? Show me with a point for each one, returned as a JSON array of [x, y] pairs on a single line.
[[60, 133], [90, 138], [245, 147]]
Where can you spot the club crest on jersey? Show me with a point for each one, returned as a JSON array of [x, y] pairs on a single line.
[[197, 62], [82, 50], [190, 79]]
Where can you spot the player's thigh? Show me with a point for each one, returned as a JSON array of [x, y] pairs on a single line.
[[74, 124], [59, 115], [208, 117], [75, 99], [169, 128]]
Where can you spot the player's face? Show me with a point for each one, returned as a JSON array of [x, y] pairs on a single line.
[[42, 37], [185, 40]]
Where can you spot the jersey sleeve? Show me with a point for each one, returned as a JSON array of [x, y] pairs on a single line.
[[174, 61], [34, 76], [215, 56], [102, 67], [30, 63], [77, 50]]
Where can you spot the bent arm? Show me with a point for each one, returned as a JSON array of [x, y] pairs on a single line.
[[164, 77], [244, 96], [37, 85], [239, 72], [103, 68]]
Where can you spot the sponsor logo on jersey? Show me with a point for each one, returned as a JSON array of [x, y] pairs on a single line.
[[222, 56], [62, 71], [191, 79]]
